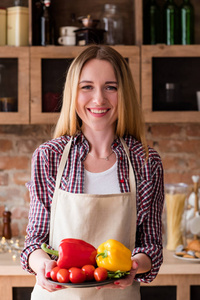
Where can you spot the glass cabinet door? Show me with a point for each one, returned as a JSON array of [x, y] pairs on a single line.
[[14, 85]]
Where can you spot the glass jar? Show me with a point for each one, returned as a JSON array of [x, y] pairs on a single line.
[[112, 23], [17, 26], [175, 199]]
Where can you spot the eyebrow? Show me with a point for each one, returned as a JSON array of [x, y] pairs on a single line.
[[107, 82]]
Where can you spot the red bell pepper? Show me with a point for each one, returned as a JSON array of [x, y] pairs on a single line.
[[73, 253]]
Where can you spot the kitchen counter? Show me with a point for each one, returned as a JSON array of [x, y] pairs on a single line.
[[12, 275], [179, 273], [173, 272]]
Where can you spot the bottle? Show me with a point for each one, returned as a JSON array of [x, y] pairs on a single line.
[[152, 23], [47, 30], [171, 23], [7, 233], [112, 23], [187, 23]]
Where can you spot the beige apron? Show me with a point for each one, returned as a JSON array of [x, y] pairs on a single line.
[[95, 219]]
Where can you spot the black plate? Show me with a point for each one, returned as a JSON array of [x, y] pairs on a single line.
[[85, 284]]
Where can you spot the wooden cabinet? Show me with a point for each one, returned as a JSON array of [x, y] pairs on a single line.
[[185, 74], [39, 55], [21, 56], [140, 58]]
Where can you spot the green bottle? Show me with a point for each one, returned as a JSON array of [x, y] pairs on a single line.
[[187, 23], [171, 23], [152, 23]]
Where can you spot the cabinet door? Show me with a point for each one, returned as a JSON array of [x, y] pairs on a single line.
[[14, 63], [170, 81], [48, 71]]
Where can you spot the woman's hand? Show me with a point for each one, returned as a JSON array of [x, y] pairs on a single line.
[[125, 282], [44, 273], [41, 264]]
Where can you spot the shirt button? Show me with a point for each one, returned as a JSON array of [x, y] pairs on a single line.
[[115, 145], [122, 180], [121, 158]]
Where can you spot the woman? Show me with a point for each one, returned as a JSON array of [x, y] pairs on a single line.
[[96, 179]]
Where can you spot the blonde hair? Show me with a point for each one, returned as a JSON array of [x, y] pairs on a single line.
[[130, 120]]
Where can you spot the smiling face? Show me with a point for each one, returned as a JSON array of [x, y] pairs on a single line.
[[97, 98]]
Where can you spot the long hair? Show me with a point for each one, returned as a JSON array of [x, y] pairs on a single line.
[[130, 120]]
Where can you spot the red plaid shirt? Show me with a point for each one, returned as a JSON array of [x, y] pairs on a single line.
[[149, 185]]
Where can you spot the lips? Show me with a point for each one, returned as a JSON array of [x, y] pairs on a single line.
[[98, 111]]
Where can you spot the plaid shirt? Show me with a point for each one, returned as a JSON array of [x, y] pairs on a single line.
[[149, 192]]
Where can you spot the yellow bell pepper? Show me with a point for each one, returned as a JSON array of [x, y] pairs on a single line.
[[113, 256]]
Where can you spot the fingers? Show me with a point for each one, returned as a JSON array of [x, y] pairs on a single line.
[[44, 273], [125, 282], [49, 265]]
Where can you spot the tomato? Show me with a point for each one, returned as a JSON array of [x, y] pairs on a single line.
[[89, 272], [76, 275], [53, 273], [63, 276], [100, 274]]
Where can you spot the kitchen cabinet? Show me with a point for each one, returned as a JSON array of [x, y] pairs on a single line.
[[42, 56], [161, 64], [141, 58], [17, 75]]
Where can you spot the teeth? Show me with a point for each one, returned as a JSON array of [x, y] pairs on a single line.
[[98, 111]]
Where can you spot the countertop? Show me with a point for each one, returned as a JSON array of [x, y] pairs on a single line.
[[170, 266]]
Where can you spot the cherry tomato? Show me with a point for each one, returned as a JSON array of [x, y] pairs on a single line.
[[53, 273], [100, 274], [63, 276], [76, 275], [89, 272]]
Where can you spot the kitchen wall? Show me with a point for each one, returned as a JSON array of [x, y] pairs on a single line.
[[178, 145]]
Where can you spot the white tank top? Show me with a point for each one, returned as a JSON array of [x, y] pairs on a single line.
[[102, 183]]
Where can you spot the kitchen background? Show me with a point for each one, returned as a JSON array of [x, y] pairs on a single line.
[[177, 143]]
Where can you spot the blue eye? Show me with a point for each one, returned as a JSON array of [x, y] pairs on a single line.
[[86, 87], [111, 88]]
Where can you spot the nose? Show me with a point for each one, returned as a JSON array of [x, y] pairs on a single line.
[[99, 96]]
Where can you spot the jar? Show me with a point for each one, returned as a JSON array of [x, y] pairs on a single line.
[[2, 26], [175, 199], [17, 26], [112, 23]]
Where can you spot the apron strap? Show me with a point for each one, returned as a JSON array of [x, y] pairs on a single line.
[[58, 180], [63, 163], [131, 172]]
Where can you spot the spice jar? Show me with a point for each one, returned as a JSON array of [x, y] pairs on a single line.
[[2, 26], [112, 23]]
